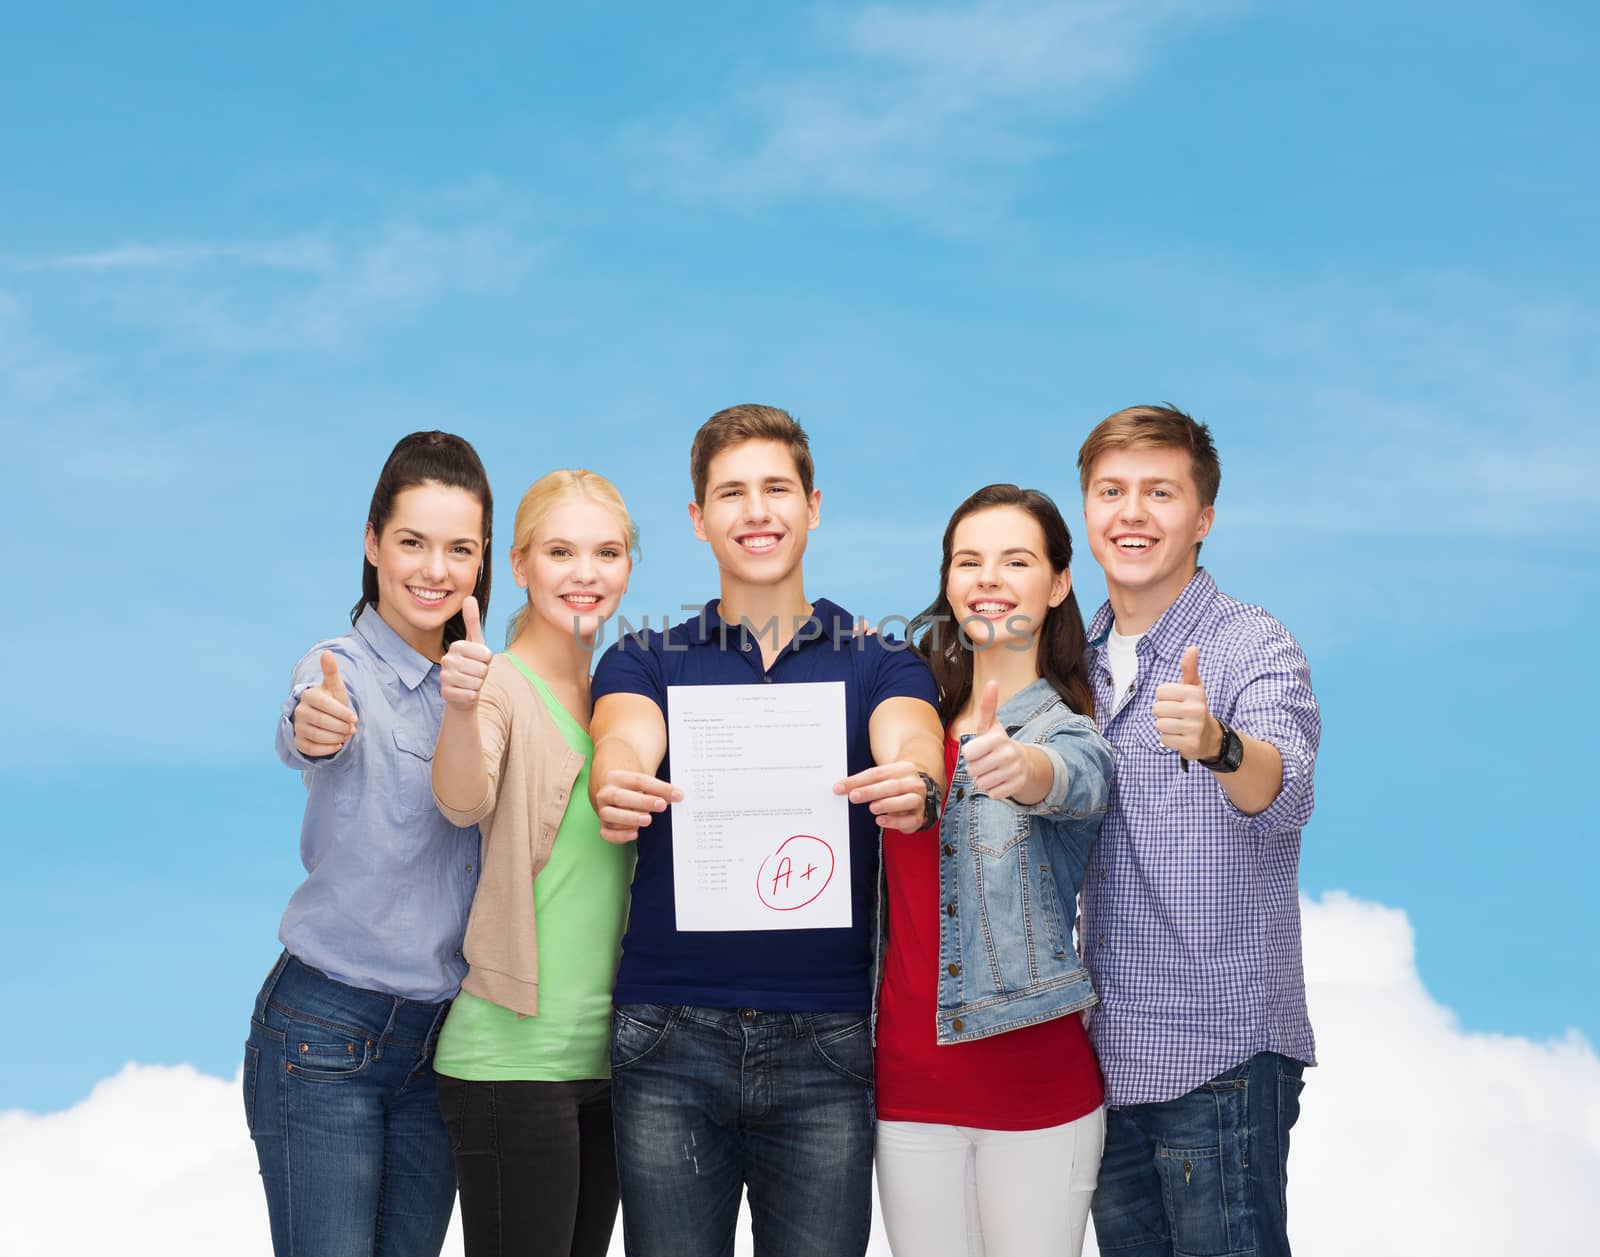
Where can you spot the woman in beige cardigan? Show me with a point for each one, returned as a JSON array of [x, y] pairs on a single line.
[[524, 1080]]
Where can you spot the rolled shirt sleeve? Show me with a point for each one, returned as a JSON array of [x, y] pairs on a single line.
[[1273, 702], [1081, 764]]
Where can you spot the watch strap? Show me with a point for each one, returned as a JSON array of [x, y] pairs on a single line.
[[932, 798], [1232, 753]]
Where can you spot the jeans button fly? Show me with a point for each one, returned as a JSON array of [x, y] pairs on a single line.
[[747, 1014]]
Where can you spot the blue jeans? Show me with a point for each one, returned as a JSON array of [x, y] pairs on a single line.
[[339, 1095], [1206, 1174], [707, 1100]]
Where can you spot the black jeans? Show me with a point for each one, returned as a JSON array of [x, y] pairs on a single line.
[[536, 1166]]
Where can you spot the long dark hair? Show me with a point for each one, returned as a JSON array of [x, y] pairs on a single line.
[[429, 458], [1061, 637]]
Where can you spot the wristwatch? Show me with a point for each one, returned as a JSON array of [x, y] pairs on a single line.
[[930, 800], [1232, 753]]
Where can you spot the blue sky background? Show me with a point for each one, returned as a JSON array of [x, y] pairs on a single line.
[[241, 254]]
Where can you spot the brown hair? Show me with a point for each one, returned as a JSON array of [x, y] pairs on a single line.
[[1061, 637], [1155, 427], [429, 458], [748, 422]]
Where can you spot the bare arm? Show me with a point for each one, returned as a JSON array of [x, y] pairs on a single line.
[[906, 740], [460, 777], [630, 741], [1259, 778], [1185, 723]]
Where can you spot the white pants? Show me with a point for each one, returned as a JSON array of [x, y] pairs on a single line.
[[957, 1191]]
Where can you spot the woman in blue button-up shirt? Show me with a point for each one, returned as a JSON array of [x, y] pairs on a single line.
[[338, 1078]]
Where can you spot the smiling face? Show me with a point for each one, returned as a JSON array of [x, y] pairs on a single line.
[[575, 568], [1000, 574], [1145, 517], [427, 561], [756, 514]]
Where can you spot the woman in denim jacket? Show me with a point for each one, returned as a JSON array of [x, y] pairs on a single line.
[[990, 1118]]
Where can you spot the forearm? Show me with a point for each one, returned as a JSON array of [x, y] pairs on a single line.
[[1259, 777], [1041, 777], [612, 753], [924, 750], [460, 779]]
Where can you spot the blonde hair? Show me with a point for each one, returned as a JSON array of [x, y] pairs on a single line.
[[548, 492]]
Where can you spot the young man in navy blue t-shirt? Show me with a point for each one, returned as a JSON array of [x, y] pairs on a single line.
[[745, 1057]]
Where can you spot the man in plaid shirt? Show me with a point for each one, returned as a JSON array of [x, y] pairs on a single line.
[[1191, 916]]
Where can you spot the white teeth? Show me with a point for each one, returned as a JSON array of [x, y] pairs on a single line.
[[759, 543], [587, 600], [1134, 543], [991, 608], [428, 595]]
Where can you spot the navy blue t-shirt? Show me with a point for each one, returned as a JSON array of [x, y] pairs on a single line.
[[814, 970]]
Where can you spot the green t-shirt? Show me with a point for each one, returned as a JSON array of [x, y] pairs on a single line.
[[580, 901]]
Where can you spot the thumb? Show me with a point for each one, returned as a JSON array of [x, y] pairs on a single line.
[[469, 614], [1191, 666], [987, 705], [331, 680]]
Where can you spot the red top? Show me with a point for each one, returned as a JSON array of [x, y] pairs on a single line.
[[1026, 1079]]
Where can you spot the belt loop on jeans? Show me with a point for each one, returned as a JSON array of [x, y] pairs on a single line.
[[395, 1005], [271, 983], [800, 1022], [431, 1041]]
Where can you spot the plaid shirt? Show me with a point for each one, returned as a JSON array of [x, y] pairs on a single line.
[[1191, 913]]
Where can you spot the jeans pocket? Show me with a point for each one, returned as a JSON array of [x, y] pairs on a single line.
[[320, 1053], [1290, 1084], [993, 828], [1203, 1161], [468, 1110], [638, 1030], [844, 1042], [252, 1069]]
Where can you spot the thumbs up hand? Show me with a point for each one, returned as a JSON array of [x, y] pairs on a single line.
[[995, 763], [323, 718], [466, 663], [1183, 720]]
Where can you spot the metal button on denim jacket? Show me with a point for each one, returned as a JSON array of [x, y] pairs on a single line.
[[1011, 875]]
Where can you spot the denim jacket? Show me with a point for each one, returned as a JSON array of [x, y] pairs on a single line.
[[1009, 878]]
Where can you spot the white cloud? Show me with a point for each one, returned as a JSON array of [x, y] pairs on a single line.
[[1441, 402], [911, 108], [297, 253], [319, 290], [31, 372], [1416, 1138]]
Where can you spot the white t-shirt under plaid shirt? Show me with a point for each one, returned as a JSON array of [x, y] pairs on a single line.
[[1191, 912]]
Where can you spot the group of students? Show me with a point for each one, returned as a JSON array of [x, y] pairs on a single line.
[[1071, 978]]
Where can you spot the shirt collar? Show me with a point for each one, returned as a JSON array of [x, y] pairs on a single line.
[[1173, 629], [1027, 703], [837, 623], [411, 667]]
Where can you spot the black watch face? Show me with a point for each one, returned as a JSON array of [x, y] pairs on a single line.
[[1232, 751]]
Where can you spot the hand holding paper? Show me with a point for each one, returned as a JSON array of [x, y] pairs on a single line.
[[626, 801]]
